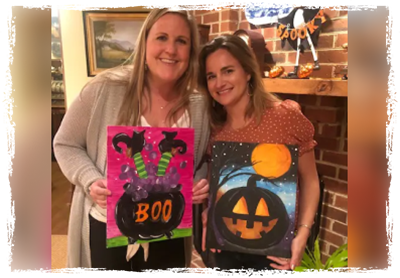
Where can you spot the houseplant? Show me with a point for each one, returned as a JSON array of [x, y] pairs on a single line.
[[312, 260]]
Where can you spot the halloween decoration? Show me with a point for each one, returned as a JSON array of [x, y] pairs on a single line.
[[276, 71], [298, 26], [150, 175], [252, 198], [305, 71]]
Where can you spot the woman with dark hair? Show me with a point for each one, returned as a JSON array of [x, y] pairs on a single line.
[[241, 111]]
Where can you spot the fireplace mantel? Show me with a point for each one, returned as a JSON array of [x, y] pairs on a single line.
[[321, 87]]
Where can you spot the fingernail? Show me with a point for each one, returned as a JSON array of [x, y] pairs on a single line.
[[292, 266]]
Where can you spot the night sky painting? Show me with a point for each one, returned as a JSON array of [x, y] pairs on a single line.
[[252, 198]]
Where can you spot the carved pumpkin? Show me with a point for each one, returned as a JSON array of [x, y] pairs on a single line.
[[276, 71], [150, 218], [251, 216], [305, 71]]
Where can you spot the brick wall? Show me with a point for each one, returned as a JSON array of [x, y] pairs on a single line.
[[328, 114]]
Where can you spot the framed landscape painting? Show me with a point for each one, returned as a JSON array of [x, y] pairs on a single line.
[[150, 176], [110, 38]]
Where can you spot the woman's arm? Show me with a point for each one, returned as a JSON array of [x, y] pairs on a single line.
[[308, 204], [70, 147]]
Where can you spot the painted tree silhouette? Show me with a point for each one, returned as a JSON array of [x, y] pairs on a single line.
[[227, 158]]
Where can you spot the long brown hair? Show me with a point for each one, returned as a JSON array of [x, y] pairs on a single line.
[[131, 108], [259, 98]]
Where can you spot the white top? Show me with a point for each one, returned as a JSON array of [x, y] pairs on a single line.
[[100, 214]]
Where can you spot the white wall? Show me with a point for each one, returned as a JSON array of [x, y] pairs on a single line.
[[74, 52]]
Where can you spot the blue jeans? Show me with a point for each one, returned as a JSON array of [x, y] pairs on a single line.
[[240, 265]]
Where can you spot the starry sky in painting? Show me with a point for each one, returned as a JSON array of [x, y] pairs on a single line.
[[232, 167]]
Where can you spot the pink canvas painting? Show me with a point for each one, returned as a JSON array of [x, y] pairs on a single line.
[[150, 176]]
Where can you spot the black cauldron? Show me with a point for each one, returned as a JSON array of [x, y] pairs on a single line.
[[149, 218]]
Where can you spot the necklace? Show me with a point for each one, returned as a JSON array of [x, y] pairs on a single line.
[[242, 126]]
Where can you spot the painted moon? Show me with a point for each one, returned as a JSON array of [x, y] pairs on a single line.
[[271, 160]]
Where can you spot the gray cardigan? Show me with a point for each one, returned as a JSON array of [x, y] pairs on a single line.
[[80, 150]]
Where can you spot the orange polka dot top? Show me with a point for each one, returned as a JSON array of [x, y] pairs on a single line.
[[281, 124]]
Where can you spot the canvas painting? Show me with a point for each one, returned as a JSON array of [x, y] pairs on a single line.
[[110, 38], [150, 176], [253, 191]]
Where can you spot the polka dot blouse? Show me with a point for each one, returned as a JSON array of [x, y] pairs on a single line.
[[282, 124]]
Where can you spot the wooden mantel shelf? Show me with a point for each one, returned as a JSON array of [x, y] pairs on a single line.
[[321, 87]]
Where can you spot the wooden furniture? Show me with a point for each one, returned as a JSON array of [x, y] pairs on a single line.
[[57, 99], [324, 87]]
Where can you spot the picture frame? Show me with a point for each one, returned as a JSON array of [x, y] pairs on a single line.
[[110, 38]]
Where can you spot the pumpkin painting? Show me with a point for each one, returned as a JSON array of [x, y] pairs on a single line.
[[254, 224], [253, 195]]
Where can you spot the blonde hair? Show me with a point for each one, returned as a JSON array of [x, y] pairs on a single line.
[[131, 108], [259, 100]]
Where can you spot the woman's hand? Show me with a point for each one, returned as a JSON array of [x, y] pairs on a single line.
[[200, 191], [99, 192], [281, 263], [298, 247]]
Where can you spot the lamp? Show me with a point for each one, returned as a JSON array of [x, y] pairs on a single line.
[[256, 43]]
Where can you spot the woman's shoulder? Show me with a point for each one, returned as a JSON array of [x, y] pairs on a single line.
[[283, 107], [113, 80], [289, 104], [286, 112]]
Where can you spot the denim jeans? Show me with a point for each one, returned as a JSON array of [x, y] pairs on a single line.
[[240, 265]]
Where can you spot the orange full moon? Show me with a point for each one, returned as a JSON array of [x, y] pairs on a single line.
[[271, 160]]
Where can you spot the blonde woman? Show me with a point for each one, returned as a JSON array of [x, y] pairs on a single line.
[[158, 90], [241, 111]]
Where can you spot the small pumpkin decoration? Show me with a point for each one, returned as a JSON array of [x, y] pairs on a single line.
[[305, 71], [251, 216], [276, 71], [149, 218]]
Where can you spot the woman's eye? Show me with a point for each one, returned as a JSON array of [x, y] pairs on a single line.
[[162, 38], [210, 77], [182, 41], [229, 71]]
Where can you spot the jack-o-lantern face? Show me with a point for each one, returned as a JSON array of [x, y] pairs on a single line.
[[253, 217], [240, 228]]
